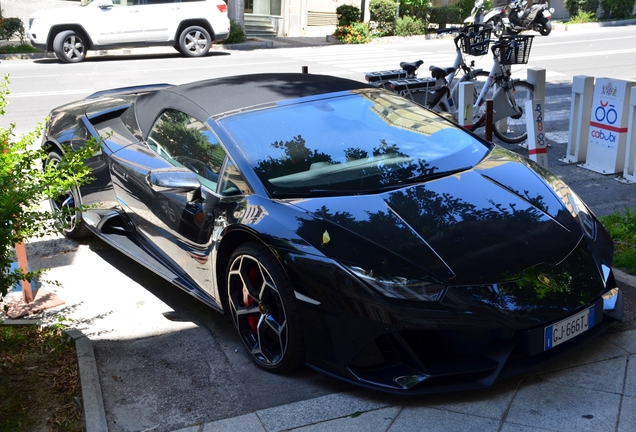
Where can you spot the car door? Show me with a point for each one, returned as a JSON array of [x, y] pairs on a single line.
[[176, 222], [160, 18], [117, 24]]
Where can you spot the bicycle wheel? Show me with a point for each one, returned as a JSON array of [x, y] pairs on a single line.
[[516, 129]]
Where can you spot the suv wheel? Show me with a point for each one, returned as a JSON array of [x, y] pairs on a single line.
[[195, 41], [69, 47]]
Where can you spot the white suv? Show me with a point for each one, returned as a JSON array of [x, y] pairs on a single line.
[[188, 25]]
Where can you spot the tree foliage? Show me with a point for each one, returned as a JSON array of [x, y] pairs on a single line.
[[383, 13], [25, 184]]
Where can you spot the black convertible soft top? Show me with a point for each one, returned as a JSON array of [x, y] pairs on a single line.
[[204, 99]]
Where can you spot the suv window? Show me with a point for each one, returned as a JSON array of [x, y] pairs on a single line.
[[186, 142]]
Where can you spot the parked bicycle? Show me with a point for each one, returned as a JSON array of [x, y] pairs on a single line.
[[423, 90], [508, 95]]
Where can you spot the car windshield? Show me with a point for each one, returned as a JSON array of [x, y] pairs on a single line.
[[350, 143]]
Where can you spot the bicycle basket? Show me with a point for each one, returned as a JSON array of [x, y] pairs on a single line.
[[472, 44], [514, 49]]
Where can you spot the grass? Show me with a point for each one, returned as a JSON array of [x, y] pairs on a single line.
[[39, 383], [18, 49], [621, 226]]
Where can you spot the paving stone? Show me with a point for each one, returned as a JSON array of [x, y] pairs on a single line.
[[370, 421], [418, 419], [564, 408]]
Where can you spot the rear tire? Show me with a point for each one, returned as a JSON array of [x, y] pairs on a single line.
[[195, 41], [69, 220], [69, 47], [545, 28]]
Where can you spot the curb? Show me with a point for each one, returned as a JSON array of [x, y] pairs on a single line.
[[260, 44], [624, 278], [92, 401], [587, 26]]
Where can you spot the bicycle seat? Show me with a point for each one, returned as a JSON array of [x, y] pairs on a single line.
[[439, 73], [411, 67]]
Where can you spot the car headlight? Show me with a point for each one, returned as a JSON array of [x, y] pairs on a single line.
[[583, 215], [576, 207], [399, 287]]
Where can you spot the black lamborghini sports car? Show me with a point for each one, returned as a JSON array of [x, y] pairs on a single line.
[[343, 227]]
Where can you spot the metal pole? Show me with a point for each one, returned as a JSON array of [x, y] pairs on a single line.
[[489, 110]]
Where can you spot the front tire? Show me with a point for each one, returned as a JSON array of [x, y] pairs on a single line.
[[66, 206], [69, 47], [195, 41], [264, 309]]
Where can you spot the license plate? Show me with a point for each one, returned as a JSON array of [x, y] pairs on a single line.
[[568, 328]]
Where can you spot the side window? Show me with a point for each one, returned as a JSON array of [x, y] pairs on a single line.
[[186, 142]]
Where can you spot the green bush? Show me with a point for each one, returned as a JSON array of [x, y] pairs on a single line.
[[237, 35], [408, 26], [10, 27], [356, 33], [415, 8], [617, 9], [383, 12], [347, 15], [582, 18], [588, 10], [466, 6], [445, 15]]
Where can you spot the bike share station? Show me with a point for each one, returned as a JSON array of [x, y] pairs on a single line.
[[601, 135], [537, 143]]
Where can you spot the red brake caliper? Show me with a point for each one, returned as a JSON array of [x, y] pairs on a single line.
[[247, 300]]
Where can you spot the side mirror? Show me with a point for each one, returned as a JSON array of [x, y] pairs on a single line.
[[105, 4], [175, 180]]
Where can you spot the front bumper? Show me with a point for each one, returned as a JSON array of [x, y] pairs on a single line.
[[439, 361], [33, 39]]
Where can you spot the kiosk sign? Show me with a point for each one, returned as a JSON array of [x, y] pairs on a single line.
[[607, 107], [608, 126]]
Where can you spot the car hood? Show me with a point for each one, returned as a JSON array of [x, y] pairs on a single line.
[[484, 225], [67, 12]]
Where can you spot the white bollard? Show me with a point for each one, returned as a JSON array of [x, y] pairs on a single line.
[[465, 103], [536, 77], [629, 171], [537, 143], [580, 112]]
